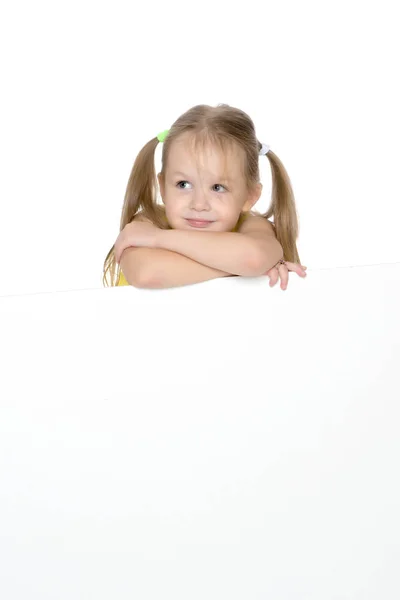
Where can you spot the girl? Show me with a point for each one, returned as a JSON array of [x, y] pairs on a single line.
[[209, 182]]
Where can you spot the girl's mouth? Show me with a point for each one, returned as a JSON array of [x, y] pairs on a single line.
[[199, 222]]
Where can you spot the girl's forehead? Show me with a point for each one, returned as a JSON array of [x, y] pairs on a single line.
[[188, 154]]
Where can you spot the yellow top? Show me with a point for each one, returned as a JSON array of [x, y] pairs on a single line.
[[121, 279]]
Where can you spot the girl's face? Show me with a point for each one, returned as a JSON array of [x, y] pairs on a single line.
[[205, 190]]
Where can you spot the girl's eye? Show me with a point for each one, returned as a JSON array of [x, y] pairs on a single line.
[[218, 185], [180, 186]]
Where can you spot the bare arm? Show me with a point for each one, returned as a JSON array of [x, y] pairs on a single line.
[[223, 250], [164, 268], [250, 252], [156, 268]]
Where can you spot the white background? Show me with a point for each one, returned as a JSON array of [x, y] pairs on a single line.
[[238, 442], [85, 85]]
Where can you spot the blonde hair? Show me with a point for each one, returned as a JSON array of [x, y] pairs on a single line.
[[221, 125]]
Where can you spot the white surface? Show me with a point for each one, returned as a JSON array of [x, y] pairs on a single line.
[[217, 441], [86, 84]]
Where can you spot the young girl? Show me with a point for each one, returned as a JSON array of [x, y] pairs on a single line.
[[209, 182]]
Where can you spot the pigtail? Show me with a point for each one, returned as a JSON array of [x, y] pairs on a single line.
[[283, 209], [140, 196]]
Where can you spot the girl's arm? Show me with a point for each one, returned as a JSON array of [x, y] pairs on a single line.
[[156, 268], [163, 268], [250, 252]]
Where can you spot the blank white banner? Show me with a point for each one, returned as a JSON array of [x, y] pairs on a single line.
[[217, 441]]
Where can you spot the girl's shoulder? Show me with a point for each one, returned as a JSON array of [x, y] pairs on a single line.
[[157, 217], [251, 219]]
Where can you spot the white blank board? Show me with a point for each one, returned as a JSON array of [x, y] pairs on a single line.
[[218, 441]]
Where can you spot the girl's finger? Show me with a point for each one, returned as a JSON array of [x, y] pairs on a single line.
[[299, 269], [284, 275], [274, 278]]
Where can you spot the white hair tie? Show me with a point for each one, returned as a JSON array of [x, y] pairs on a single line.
[[264, 149]]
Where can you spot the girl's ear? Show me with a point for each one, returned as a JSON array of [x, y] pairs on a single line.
[[161, 184], [253, 197]]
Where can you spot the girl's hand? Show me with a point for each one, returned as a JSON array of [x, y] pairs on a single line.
[[138, 234], [282, 271]]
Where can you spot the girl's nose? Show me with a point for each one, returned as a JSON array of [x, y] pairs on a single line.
[[199, 201]]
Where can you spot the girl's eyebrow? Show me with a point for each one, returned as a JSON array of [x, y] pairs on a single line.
[[180, 174], [176, 173]]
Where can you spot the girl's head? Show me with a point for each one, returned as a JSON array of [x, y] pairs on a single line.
[[209, 172], [209, 168]]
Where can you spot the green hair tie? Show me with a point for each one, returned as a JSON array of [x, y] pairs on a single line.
[[161, 136]]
